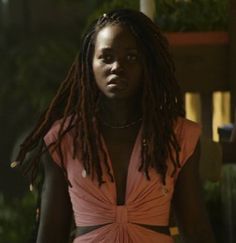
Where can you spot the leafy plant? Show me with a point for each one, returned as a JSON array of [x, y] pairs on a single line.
[[178, 15], [17, 218], [192, 15], [212, 196], [39, 66]]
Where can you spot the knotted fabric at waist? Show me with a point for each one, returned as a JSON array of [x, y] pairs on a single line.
[[121, 217], [81, 230], [121, 214]]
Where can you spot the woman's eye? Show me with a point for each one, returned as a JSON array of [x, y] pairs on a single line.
[[107, 58], [132, 57]]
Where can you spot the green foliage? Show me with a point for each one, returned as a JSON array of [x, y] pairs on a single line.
[[212, 191], [192, 15], [17, 218], [35, 68], [178, 15], [213, 199]]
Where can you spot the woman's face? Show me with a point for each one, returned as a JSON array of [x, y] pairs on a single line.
[[117, 63]]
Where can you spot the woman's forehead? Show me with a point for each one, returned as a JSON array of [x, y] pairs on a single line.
[[112, 35]]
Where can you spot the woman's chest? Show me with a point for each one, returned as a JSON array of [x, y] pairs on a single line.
[[120, 149]]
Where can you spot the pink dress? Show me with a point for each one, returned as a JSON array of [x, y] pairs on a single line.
[[146, 202]]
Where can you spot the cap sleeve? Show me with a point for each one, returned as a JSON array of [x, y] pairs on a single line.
[[188, 134]]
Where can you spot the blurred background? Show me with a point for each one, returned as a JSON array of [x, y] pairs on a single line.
[[38, 42]]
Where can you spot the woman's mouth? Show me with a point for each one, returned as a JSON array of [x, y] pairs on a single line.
[[117, 82]]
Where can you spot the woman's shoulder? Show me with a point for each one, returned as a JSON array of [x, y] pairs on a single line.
[[188, 134], [53, 131], [185, 126], [58, 126]]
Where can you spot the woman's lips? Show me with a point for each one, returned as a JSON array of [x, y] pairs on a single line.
[[118, 83]]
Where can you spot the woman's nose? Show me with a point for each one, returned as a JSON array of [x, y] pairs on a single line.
[[117, 67]]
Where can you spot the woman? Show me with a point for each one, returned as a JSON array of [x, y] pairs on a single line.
[[120, 152]]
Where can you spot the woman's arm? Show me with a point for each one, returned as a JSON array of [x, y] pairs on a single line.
[[55, 216], [189, 205]]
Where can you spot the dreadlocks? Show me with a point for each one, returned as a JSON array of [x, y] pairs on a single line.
[[76, 104]]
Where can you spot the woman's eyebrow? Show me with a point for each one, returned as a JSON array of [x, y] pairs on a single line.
[[110, 49], [106, 49]]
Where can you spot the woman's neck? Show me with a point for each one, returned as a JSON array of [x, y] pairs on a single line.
[[120, 112]]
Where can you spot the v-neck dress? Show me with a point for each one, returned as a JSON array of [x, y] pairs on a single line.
[[146, 201]]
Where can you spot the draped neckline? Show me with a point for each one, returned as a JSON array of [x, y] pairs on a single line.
[[130, 163]]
